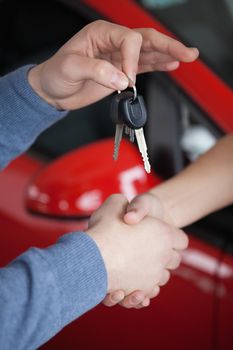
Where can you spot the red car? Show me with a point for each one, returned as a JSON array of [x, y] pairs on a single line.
[[65, 176]]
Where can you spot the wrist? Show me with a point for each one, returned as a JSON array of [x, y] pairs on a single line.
[[34, 80], [106, 256], [165, 204]]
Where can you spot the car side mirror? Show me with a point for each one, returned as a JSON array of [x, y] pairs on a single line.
[[77, 183]]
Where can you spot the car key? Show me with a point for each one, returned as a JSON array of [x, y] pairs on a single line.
[[139, 133], [130, 132], [134, 115], [117, 119]]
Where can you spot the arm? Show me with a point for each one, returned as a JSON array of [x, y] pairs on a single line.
[[203, 187], [45, 289], [23, 115]]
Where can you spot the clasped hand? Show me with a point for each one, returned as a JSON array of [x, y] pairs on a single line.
[[137, 246]]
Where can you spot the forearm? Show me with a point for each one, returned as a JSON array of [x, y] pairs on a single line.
[[23, 115], [45, 289], [201, 188]]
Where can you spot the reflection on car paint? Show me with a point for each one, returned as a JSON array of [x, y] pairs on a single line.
[[206, 263], [89, 201], [128, 178]]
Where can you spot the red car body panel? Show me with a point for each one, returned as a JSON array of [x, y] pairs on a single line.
[[225, 303]]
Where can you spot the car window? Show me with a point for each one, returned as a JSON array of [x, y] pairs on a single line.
[[197, 23]]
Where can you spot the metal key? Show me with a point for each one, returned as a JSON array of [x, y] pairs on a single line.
[[117, 119], [117, 140], [134, 115], [143, 148]]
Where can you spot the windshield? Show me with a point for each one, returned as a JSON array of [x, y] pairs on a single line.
[[206, 24]]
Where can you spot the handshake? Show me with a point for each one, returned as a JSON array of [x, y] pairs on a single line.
[[139, 245]]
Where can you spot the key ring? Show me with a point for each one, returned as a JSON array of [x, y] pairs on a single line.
[[135, 94]]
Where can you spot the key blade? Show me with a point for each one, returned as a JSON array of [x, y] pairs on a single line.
[[129, 132], [131, 135], [117, 141], [143, 148]]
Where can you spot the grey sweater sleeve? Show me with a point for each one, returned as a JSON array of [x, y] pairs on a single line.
[[43, 289], [23, 115]]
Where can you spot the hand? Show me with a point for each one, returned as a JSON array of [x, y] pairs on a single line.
[[136, 257], [141, 206], [147, 204], [99, 59]]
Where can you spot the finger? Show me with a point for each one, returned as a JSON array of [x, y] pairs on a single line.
[[114, 37], [146, 59], [169, 66], [128, 42], [76, 68], [155, 291], [144, 205], [175, 260], [130, 51], [137, 209], [163, 67], [114, 298], [154, 57], [154, 40], [146, 302], [179, 240], [114, 206], [164, 278], [133, 299]]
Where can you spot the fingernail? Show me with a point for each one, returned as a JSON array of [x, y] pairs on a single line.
[[132, 79], [119, 81], [115, 298], [146, 302], [131, 212], [118, 296], [195, 50], [173, 65], [136, 299]]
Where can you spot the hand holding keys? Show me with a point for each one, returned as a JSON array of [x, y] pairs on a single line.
[[128, 112]]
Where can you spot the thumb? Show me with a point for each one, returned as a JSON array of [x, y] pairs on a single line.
[[113, 207], [98, 70], [136, 210], [141, 206]]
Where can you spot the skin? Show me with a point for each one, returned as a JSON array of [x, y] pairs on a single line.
[[135, 256], [178, 203], [182, 204], [99, 59]]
